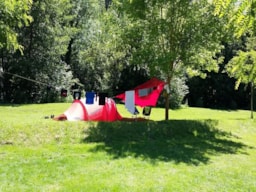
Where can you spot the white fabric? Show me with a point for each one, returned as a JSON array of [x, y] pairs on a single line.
[[74, 114], [130, 101]]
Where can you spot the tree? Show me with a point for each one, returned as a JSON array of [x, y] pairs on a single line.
[[97, 48], [179, 36], [242, 21], [13, 14], [240, 14], [243, 67], [45, 44]]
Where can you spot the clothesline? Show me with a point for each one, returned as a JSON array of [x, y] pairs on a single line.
[[28, 79]]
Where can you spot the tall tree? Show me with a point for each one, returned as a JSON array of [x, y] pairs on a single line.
[[243, 67], [242, 14], [14, 14], [45, 44], [97, 46]]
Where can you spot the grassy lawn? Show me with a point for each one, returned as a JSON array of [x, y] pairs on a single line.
[[197, 150]]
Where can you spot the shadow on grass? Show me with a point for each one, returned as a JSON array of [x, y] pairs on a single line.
[[181, 141]]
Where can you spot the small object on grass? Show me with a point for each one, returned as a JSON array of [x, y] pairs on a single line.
[[7, 143]]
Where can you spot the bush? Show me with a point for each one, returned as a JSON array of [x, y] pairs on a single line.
[[179, 90]]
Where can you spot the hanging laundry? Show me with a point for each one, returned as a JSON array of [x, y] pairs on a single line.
[[102, 98], [76, 94], [64, 93], [89, 97], [130, 101], [155, 87]]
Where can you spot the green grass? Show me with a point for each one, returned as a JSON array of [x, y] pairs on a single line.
[[197, 150]]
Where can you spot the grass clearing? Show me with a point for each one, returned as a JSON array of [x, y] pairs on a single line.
[[197, 150]]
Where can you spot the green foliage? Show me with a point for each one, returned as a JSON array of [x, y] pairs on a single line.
[[14, 14], [97, 47], [241, 14], [179, 90], [243, 67], [45, 44], [174, 36]]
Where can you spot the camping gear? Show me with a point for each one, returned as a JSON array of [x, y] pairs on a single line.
[[89, 97], [103, 108], [147, 93], [146, 112], [64, 93], [129, 101], [77, 94], [79, 110], [102, 98]]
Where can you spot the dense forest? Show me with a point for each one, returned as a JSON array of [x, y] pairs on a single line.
[[204, 50]]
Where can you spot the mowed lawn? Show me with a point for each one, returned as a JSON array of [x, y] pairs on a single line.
[[196, 150]]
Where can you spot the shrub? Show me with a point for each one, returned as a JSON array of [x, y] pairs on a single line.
[[179, 90]]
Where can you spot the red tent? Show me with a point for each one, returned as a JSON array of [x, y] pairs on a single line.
[[147, 93], [79, 110]]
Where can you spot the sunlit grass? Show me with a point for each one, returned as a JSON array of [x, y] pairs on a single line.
[[197, 150]]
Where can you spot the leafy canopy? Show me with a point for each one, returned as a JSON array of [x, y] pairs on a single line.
[[243, 66], [14, 14]]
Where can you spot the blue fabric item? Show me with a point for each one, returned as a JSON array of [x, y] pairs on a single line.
[[89, 97]]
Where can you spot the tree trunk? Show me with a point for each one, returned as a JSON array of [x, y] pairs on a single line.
[[69, 52], [107, 3], [167, 103], [252, 86], [167, 98]]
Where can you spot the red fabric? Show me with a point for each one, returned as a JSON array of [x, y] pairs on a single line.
[[84, 112], [92, 112], [150, 99], [107, 112], [76, 111]]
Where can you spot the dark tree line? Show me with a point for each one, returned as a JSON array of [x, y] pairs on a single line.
[[217, 89]]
